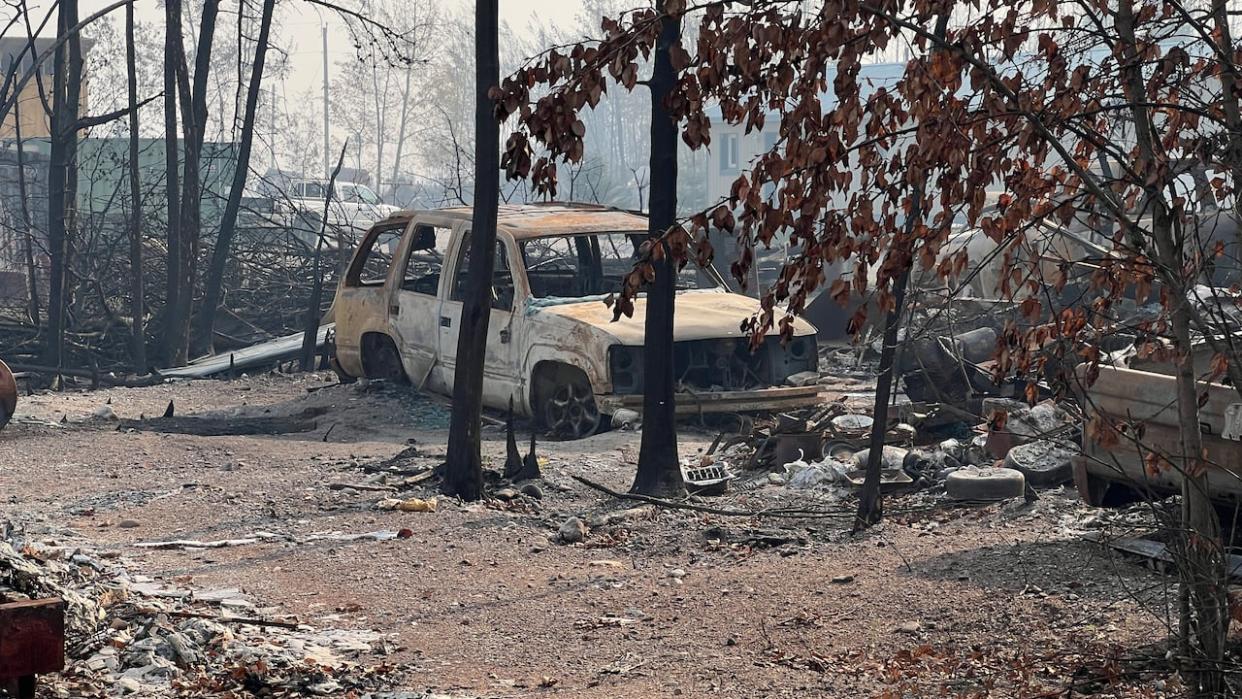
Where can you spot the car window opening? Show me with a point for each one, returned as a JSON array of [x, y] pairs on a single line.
[[502, 277], [426, 261], [591, 264]]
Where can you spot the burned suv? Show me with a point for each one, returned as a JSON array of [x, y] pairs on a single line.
[[552, 347]]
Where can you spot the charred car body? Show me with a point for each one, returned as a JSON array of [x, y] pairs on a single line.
[[553, 347]]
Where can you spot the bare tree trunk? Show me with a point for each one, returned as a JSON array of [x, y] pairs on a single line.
[[1204, 578], [463, 474], [1198, 552], [380, 119], [62, 177], [401, 127], [870, 506], [173, 57], [213, 289], [1229, 97], [310, 328], [32, 276], [659, 471], [137, 300], [193, 124]]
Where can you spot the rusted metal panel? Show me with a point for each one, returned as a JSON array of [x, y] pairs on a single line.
[[1140, 397], [32, 638], [8, 394], [765, 399], [262, 354]]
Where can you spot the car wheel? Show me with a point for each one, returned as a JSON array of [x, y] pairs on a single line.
[[380, 359], [569, 410]]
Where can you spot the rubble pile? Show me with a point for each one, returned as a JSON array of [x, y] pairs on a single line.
[[129, 635], [954, 430]]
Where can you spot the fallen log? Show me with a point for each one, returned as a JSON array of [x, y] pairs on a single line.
[[96, 378], [206, 426]]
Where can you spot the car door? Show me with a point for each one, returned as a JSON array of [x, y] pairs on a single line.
[[362, 299], [415, 305], [502, 376]]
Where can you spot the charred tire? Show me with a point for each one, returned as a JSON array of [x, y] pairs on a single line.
[[565, 403], [380, 359], [986, 483]]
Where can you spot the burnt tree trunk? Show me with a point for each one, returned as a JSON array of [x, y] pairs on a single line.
[[463, 475], [62, 177], [1204, 577], [213, 289], [310, 326], [172, 172], [870, 506], [1198, 550], [32, 275], [137, 300], [659, 472], [193, 124]]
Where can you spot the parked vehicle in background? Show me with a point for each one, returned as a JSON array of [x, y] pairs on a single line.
[[353, 210], [553, 347]]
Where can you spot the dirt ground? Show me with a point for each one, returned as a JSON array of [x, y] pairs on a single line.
[[941, 599]]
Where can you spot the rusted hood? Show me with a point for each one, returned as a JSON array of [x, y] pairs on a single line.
[[700, 315]]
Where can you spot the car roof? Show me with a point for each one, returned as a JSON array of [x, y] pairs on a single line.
[[542, 219]]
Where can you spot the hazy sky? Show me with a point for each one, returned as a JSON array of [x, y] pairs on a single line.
[[300, 28]]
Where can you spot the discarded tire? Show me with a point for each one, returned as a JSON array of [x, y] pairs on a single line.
[[987, 483], [8, 394], [1044, 463]]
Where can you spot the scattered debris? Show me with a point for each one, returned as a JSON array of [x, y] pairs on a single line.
[[117, 638], [258, 537], [1156, 553], [573, 531], [104, 412], [948, 369], [410, 505], [711, 479], [755, 538], [626, 419]]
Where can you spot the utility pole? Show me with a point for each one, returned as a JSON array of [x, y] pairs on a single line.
[[327, 156]]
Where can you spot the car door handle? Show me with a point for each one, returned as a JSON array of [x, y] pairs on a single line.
[[504, 337], [446, 322], [393, 309]]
